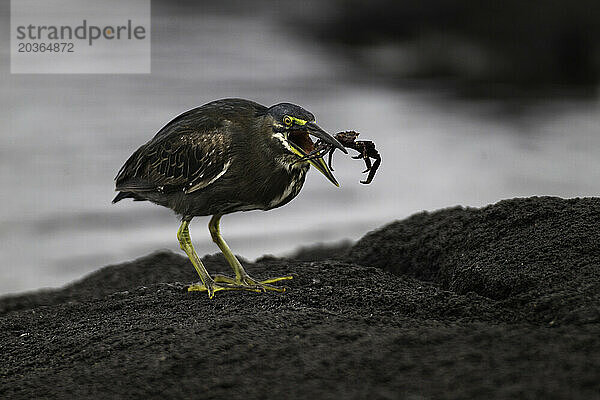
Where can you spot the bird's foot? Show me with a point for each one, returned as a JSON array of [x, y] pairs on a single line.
[[248, 281], [214, 286]]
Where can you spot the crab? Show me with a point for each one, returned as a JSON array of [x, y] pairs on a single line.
[[365, 148]]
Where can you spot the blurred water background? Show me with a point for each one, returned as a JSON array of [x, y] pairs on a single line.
[[463, 116]]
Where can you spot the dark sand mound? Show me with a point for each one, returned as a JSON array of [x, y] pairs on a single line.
[[539, 257], [500, 302]]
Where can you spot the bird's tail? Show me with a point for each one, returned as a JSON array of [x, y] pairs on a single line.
[[120, 196], [127, 195]]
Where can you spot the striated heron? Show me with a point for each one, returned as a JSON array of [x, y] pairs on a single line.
[[225, 156]]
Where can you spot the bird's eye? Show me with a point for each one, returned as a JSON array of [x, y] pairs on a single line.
[[287, 120]]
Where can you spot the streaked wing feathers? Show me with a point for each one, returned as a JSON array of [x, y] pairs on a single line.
[[188, 161]]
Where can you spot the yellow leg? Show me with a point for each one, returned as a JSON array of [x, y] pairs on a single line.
[[208, 284], [241, 276]]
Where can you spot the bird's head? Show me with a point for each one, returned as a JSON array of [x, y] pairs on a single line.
[[292, 128]]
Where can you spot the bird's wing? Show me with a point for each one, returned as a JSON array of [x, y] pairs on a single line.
[[186, 160]]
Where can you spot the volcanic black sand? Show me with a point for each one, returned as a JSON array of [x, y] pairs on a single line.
[[498, 302]]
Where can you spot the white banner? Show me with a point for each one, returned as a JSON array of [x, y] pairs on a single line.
[[80, 36]]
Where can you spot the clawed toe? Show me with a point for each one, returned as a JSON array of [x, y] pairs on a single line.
[[280, 278], [249, 282], [221, 282], [213, 287]]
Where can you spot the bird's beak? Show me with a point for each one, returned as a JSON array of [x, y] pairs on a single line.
[[318, 162], [322, 167], [316, 131]]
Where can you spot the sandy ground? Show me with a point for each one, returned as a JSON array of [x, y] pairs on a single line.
[[499, 302]]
